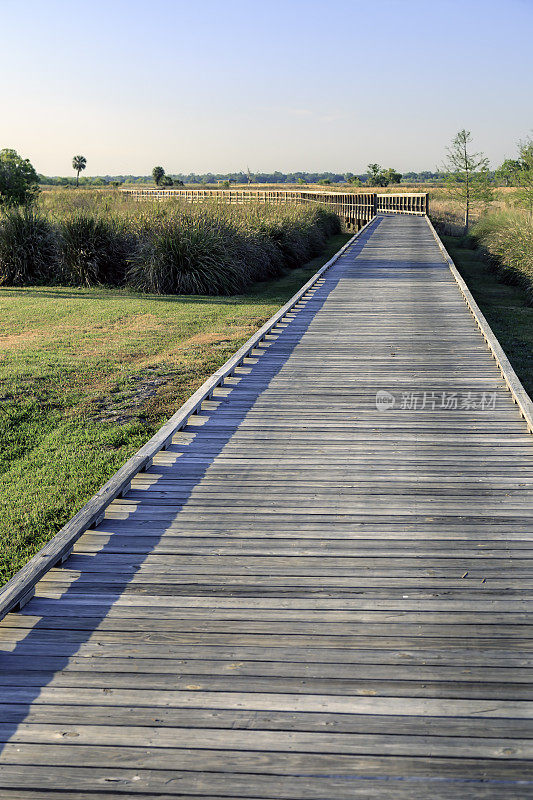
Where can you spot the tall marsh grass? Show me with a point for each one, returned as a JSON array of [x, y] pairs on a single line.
[[90, 238], [506, 242], [502, 232], [93, 250], [28, 247]]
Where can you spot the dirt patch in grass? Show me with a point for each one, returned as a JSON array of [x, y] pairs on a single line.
[[130, 404], [8, 341]]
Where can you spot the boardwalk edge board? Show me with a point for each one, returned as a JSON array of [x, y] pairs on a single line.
[[20, 589], [514, 384]]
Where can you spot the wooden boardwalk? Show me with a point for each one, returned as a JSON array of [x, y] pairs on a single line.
[[307, 597]]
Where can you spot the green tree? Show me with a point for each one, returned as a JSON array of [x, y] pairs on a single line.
[[166, 180], [376, 176], [18, 179], [392, 176], [78, 164], [507, 173], [468, 174], [158, 173]]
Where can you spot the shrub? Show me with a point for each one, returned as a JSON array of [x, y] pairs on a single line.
[[506, 239], [18, 179], [28, 247], [187, 254], [94, 250], [299, 233]]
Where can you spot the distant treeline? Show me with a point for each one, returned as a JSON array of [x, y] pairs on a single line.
[[238, 177]]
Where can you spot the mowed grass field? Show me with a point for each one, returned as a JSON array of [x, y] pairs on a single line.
[[88, 375]]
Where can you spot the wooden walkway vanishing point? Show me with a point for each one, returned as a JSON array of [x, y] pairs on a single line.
[[310, 594]]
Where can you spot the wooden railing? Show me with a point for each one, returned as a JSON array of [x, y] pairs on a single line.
[[403, 203], [354, 208]]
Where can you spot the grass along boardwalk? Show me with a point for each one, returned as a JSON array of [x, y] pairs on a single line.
[[354, 208], [310, 594]]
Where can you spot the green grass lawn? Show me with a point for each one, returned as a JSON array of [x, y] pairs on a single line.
[[88, 375], [505, 308]]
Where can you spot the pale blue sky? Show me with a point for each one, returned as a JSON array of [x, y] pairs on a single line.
[[293, 85]]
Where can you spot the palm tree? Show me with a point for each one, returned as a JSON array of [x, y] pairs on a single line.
[[78, 163]]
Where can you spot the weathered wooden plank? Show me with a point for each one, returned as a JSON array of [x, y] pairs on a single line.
[[486, 689], [393, 601], [389, 730], [479, 653], [123, 542], [172, 783], [402, 792], [275, 666], [212, 624], [67, 611], [165, 752], [297, 565], [418, 792], [275, 759], [260, 701]]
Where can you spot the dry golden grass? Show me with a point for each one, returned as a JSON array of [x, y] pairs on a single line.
[[448, 214]]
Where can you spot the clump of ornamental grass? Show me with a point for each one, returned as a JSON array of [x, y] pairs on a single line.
[[187, 254], [94, 250], [255, 247], [297, 232], [28, 247], [302, 232], [506, 241], [292, 236]]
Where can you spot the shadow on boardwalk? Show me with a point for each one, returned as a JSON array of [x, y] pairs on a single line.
[[45, 647]]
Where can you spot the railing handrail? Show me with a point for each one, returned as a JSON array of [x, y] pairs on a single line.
[[360, 193], [356, 207]]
